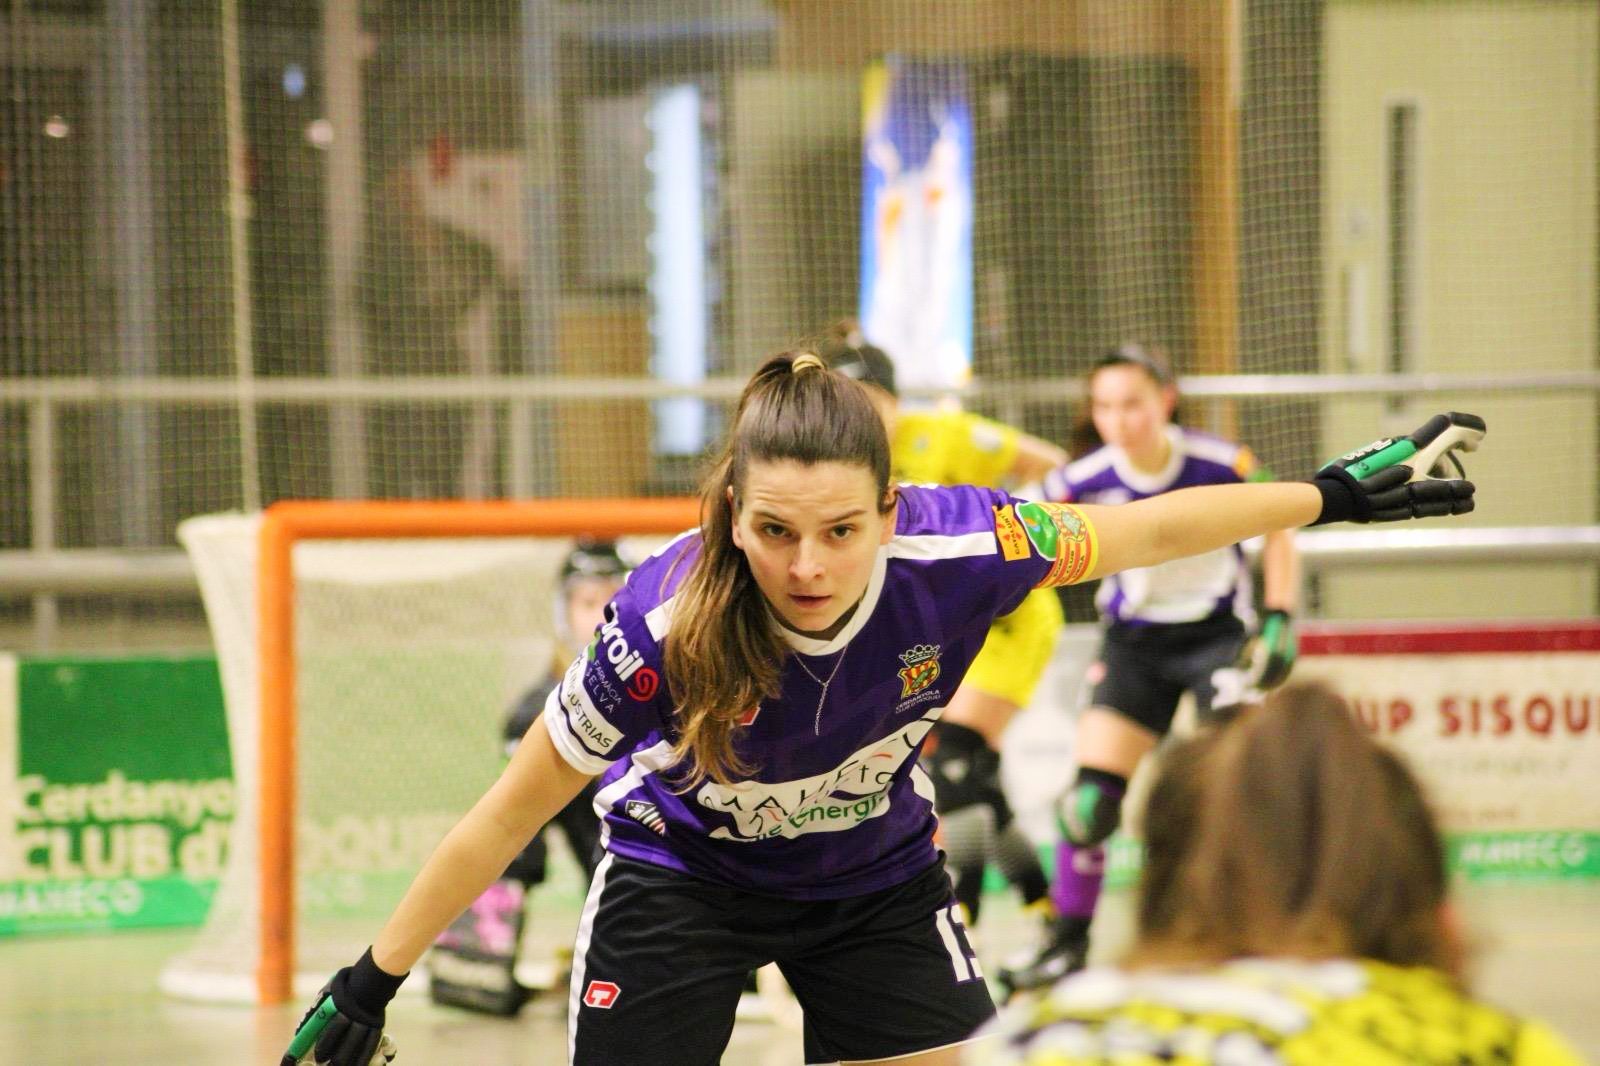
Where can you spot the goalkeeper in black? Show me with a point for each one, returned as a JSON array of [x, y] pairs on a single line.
[[473, 963]]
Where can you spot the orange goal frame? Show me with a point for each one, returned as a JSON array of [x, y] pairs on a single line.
[[286, 523]]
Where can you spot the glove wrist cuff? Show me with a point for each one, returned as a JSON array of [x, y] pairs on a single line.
[[1341, 497], [370, 987]]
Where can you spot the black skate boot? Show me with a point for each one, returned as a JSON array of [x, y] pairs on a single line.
[[1065, 951]]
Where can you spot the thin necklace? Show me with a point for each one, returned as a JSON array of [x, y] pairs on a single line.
[[816, 724]]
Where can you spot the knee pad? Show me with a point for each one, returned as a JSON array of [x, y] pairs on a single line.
[[1091, 809], [964, 769], [967, 836]]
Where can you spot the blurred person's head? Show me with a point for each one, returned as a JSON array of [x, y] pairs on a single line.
[[1292, 833], [590, 576], [1131, 396], [846, 350]]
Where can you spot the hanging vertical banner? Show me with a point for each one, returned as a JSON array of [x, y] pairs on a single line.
[[916, 239]]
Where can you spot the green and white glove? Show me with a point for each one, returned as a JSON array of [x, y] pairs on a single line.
[[344, 1027], [1396, 478], [1269, 654]]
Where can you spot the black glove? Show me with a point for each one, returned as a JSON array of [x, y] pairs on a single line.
[[1397, 478], [1269, 654], [344, 1027]]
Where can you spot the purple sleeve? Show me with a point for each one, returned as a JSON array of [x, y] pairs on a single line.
[[1020, 543], [1058, 488], [974, 542], [611, 696]]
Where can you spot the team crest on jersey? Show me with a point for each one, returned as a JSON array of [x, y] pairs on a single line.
[[921, 669], [646, 814]]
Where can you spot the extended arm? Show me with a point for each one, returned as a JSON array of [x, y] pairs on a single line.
[[345, 1024], [1389, 480], [1192, 521], [1280, 572]]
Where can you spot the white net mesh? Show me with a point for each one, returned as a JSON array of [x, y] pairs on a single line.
[[449, 220], [408, 657]]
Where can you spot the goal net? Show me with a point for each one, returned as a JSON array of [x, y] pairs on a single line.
[[364, 737]]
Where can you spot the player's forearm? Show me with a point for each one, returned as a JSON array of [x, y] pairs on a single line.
[[1192, 521], [1280, 572]]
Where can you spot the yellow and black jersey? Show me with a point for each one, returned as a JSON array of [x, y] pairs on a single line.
[[1266, 1011], [952, 447]]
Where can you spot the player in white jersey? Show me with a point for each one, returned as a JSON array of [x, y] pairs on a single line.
[[754, 704], [1169, 629]]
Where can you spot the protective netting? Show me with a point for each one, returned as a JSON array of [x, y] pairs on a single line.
[[377, 249], [409, 655]]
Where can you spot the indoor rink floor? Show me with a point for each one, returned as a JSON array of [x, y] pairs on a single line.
[[92, 999]]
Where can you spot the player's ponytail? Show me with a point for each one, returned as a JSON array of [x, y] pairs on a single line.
[[724, 653]]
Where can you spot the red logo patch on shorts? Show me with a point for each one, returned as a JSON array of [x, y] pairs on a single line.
[[602, 994]]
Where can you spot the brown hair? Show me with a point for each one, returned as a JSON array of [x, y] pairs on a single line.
[[1084, 437], [1291, 832], [724, 653]]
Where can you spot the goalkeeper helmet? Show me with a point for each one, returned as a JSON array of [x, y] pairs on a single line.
[[592, 558], [587, 561]]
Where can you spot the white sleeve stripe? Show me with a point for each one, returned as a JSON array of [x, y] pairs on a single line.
[[1055, 486], [1091, 464], [939, 546], [659, 619], [566, 738], [1214, 451]]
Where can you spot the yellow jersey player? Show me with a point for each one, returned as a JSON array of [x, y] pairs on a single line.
[[948, 446]]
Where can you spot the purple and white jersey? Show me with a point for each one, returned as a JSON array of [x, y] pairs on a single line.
[[1183, 590], [836, 805]]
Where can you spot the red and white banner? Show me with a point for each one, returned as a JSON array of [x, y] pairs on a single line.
[[1502, 723]]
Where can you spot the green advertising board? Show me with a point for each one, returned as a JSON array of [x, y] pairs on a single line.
[[1488, 857], [116, 773]]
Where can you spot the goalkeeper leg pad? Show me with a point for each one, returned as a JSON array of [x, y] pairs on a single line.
[[473, 963]]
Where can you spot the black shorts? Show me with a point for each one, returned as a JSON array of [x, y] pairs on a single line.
[[661, 959], [1145, 670]]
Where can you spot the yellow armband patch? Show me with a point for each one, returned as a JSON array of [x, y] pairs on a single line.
[[1063, 534], [1008, 531]]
